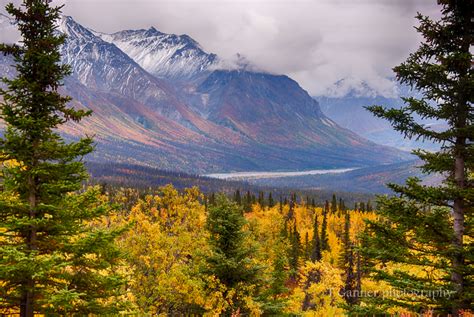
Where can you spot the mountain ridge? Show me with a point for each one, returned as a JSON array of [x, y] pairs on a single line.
[[207, 120]]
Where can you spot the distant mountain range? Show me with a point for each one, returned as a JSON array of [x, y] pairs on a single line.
[[348, 110], [160, 100]]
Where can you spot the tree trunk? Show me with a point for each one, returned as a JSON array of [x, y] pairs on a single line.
[[457, 277], [27, 299]]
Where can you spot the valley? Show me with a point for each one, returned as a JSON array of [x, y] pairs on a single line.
[[160, 100]]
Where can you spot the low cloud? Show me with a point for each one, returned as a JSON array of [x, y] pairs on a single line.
[[316, 42]]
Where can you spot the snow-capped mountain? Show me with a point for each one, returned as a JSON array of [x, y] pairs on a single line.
[[213, 120], [103, 66], [163, 55]]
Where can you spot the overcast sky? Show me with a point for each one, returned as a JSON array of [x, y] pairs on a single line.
[[316, 42]]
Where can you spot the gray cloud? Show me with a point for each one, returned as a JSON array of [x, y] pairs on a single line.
[[316, 42]]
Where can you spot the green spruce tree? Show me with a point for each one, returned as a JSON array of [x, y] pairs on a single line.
[[315, 242], [334, 204], [432, 226], [346, 262], [247, 202], [271, 202], [238, 197], [230, 260], [261, 199], [52, 260], [324, 228]]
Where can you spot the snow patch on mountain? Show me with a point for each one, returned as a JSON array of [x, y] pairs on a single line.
[[163, 55], [355, 87]]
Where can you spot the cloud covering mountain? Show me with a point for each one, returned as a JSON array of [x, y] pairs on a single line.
[[315, 42], [198, 118]]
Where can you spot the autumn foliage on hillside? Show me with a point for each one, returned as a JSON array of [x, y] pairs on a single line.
[[185, 253]]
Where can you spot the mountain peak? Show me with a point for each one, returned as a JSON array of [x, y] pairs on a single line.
[[152, 31], [163, 55], [73, 29]]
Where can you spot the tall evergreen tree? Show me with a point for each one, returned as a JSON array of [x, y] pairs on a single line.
[[347, 263], [315, 254], [212, 199], [231, 259], [248, 202], [431, 226], [279, 277], [238, 197], [261, 199], [276, 303], [324, 229], [342, 206], [294, 251], [369, 207], [334, 204], [346, 241], [271, 202], [291, 211], [52, 261]]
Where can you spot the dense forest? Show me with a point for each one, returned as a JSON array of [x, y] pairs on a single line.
[[144, 179], [72, 248], [180, 253]]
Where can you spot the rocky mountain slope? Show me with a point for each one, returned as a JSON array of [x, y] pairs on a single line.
[[160, 100]]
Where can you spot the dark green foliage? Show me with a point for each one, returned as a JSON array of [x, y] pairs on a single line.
[[369, 206], [231, 259], [279, 276], [253, 200], [334, 204], [341, 206], [212, 199], [248, 202], [261, 199], [431, 226], [294, 251], [315, 254], [347, 263], [237, 197], [271, 202], [50, 257], [324, 228], [275, 300]]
